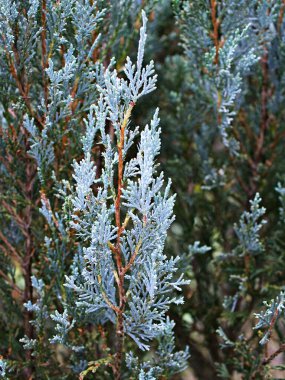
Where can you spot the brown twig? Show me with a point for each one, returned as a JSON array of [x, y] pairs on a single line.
[[215, 34], [264, 108], [133, 257], [14, 253], [273, 356], [11, 283], [271, 326], [118, 256], [281, 15], [22, 89]]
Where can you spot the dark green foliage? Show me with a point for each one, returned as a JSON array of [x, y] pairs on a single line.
[[221, 94], [218, 165]]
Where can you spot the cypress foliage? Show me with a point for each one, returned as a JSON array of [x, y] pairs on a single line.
[[223, 143], [98, 279]]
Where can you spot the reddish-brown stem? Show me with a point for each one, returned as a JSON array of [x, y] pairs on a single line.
[[133, 257], [267, 358], [22, 89], [120, 346], [281, 15], [215, 34], [217, 43], [271, 326], [120, 187], [118, 256], [264, 108], [273, 356]]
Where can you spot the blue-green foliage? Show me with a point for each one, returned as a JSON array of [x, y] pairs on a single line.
[[196, 248], [248, 230], [41, 148], [40, 313], [3, 366], [220, 65], [62, 328], [268, 318], [150, 281], [281, 191], [165, 362]]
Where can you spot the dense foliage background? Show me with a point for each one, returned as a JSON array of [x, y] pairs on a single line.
[[221, 95]]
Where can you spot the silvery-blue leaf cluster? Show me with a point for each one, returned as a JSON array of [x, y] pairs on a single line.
[[248, 229], [151, 282], [165, 361], [280, 189], [268, 318], [41, 148], [40, 314], [63, 326], [3, 366], [250, 244], [274, 309]]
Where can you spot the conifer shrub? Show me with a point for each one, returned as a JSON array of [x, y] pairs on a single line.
[[109, 269]]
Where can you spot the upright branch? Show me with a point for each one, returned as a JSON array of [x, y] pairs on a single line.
[[120, 147], [120, 268], [126, 277], [264, 108], [281, 16], [215, 37], [215, 33]]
